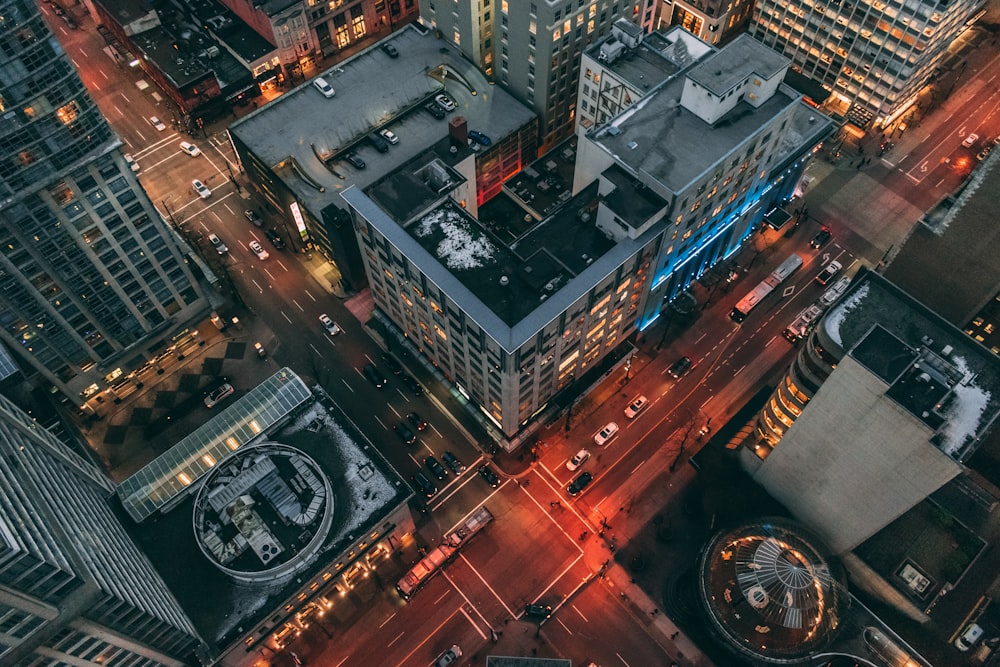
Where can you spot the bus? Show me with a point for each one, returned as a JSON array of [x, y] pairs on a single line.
[[765, 287]]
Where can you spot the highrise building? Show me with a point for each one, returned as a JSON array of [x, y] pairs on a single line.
[[91, 278], [74, 587], [873, 57], [533, 47], [715, 21]]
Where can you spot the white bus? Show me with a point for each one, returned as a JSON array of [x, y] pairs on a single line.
[[765, 287]]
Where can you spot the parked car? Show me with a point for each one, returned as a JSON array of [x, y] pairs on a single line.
[[275, 238], [449, 657], [973, 633], [424, 485], [390, 50], [578, 460], [257, 249], [379, 142], [638, 404], [417, 422], [680, 368], [970, 140], [218, 394], [480, 138], [487, 474], [253, 218], [157, 123], [606, 434], [201, 189], [452, 462], [822, 238], [217, 243], [434, 110], [435, 467], [390, 362], [390, 136], [320, 84], [328, 324], [190, 149], [132, 164], [579, 484], [445, 102], [538, 611], [404, 433], [355, 160], [412, 384], [828, 272], [374, 376]]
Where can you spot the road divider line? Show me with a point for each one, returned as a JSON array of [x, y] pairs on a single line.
[[309, 295], [287, 318], [347, 385], [560, 576], [434, 428], [622, 659], [257, 285], [705, 402], [568, 631], [503, 604], [569, 506], [381, 422], [637, 467], [585, 619], [400, 636], [394, 410], [298, 306], [473, 624], [440, 597], [387, 620], [458, 590]]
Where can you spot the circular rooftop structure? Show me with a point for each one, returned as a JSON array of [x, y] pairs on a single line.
[[263, 512], [772, 591]]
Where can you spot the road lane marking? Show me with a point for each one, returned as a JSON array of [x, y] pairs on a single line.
[[735, 373], [560, 576], [637, 467], [380, 422], [269, 274], [431, 634], [400, 636], [622, 659], [282, 265], [473, 623], [286, 317], [443, 596], [573, 607], [298, 306], [399, 391], [369, 358], [394, 410], [387, 620], [465, 560], [467, 601], [347, 385], [329, 339], [257, 285], [231, 211], [564, 626], [115, 107], [705, 402], [309, 295], [436, 431]]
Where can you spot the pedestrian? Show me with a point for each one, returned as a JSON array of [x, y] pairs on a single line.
[[674, 636]]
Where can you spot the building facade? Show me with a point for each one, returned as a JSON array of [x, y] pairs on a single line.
[[74, 587], [714, 21], [91, 275], [873, 58]]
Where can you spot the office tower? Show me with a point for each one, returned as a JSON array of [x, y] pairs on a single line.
[[715, 21], [74, 587], [873, 58], [532, 47], [91, 277]]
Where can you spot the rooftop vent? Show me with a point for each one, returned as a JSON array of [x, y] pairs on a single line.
[[504, 280], [610, 50], [614, 130], [633, 145]]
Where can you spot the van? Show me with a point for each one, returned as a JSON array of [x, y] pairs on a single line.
[[973, 633], [323, 87]]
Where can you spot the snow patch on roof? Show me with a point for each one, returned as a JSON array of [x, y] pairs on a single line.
[[462, 247], [835, 318], [964, 411]]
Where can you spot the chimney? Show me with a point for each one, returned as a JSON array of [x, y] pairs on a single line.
[[458, 130]]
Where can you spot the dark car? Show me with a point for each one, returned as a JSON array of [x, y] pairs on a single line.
[[822, 238], [434, 110], [374, 376], [538, 611], [380, 144], [480, 138], [253, 218], [491, 477], [424, 485], [435, 467], [404, 433], [390, 50], [275, 238], [415, 419], [452, 462], [355, 160], [579, 484], [391, 363], [412, 384], [680, 367]]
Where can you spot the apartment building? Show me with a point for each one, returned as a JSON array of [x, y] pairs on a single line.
[[91, 276], [714, 21], [873, 57]]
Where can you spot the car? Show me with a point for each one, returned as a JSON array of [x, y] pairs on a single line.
[[983, 154], [538, 611], [973, 633], [445, 102], [390, 136], [132, 164], [331, 327], [821, 238], [638, 404], [487, 474], [404, 433], [452, 462], [435, 467], [434, 110], [190, 149], [275, 238], [217, 243], [970, 140], [217, 395], [257, 249], [70, 23], [157, 123], [415, 419], [201, 189], [828, 272], [390, 50], [680, 368], [355, 160], [320, 84], [253, 218], [412, 384], [374, 376], [606, 434], [578, 460], [449, 657], [424, 485], [380, 144], [579, 484], [390, 362], [480, 138]]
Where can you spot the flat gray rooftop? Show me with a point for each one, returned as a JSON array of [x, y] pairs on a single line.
[[674, 146], [723, 70], [644, 67], [308, 134]]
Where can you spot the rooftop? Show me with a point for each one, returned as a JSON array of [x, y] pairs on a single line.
[[726, 68], [657, 58], [231, 29], [630, 201], [303, 136]]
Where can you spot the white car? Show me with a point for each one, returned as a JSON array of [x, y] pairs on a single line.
[[201, 189], [157, 123], [323, 87], [257, 249], [389, 136], [132, 164], [445, 102], [973, 633], [606, 434], [190, 149], [328, 324], [578, 460], [828, 272], [636, 406], [970, 140], [216, 395], [217, 243]]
